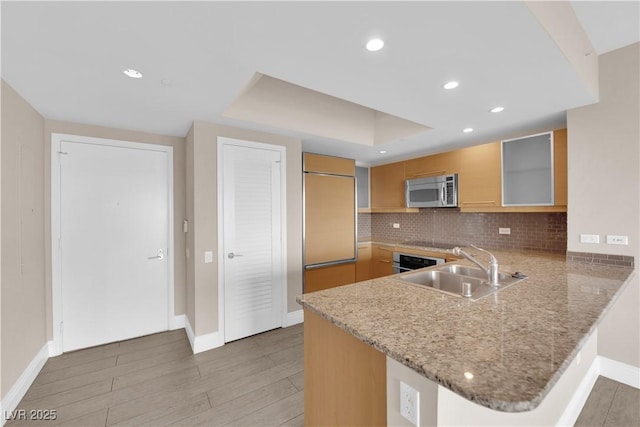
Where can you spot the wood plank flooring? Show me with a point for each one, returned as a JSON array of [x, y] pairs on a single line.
[[257, 381], [157, 381], [611, 404]]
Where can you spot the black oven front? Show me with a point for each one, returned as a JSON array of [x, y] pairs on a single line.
[[407, 262]]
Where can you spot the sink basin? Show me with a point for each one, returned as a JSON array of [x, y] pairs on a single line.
[[462, 270], [449, 280]]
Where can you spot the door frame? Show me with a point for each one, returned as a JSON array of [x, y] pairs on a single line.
[[56, 347], [221, 142]]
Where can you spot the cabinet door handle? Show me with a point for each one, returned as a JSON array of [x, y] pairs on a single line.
[[482, 202]]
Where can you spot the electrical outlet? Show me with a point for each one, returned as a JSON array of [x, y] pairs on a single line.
[[396, 225], [589, 238], [617, 240], [208, 257], [504, 230], [410, 403]]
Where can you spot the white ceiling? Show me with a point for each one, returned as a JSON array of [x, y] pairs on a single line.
[[66, 59]]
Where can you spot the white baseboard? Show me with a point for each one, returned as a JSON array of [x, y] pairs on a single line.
[[178, 322], [618, 371], [54, 350], [202, 342], [580, 396], [20, 388], [294, 318]]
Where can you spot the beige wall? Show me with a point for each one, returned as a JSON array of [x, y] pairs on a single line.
[[604, 184], [23, 236], [204, 218], [179, 203]]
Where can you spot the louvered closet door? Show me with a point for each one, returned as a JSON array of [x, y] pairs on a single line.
[[252, 241]]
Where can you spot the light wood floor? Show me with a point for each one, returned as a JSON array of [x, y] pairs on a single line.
[[611, 404], [156, 380], [258, 381]]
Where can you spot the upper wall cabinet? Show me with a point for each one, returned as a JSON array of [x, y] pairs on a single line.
[[438, 164], [487, 172], [534, 176], [527, 171], [479, 179], [387, 188], [362, 186], [560, 167]]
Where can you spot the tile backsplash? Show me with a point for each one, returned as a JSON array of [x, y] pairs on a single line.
[[529, 231]]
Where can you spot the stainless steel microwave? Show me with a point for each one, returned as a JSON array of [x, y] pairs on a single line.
[[433, 192]]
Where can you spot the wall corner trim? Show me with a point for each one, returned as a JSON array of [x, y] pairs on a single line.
[[202, 342], [621, 372], [20, 388], [293, 318]]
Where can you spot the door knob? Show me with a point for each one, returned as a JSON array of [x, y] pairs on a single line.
[[231, 255]]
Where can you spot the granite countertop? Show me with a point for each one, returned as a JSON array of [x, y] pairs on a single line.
[[516, 343]]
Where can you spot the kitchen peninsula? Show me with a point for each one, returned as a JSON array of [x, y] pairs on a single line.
[[518, 355]]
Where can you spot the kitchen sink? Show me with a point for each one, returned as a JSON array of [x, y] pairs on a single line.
[[462, 270], [459, 281]]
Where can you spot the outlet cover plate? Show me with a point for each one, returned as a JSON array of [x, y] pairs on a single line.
[[410, 403], [504, 230], [617, 240]]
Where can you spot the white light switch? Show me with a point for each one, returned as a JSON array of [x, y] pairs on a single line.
[[589, 238], [208, 257], [617, 240]]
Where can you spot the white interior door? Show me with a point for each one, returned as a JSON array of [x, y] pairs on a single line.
[[114, 229], [252, 240]]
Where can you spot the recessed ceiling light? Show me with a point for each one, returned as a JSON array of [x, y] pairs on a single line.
[[451, 85], [382, 151], [497, 109], [134, 74], [467, 130], [374, 45]]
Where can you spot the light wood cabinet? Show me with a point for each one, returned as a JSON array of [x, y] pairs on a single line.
[[344, 378], [560, 167], [387, 186], [363, 265], [316, 279], [479, 176], [382, 261], [479, 170], [438, 164], [319, 163]]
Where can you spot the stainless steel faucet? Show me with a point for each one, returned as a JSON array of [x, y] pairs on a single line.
[[492, 270]]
